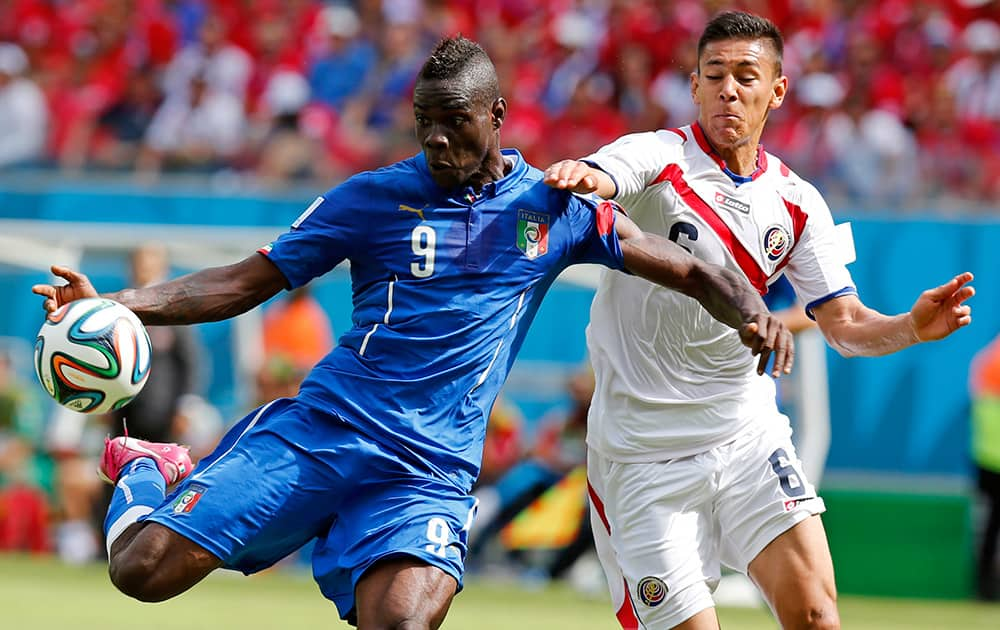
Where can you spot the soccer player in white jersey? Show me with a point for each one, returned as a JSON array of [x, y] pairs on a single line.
[[690, 462]]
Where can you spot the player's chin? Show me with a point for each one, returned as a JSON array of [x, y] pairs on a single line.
[[729, 136], [447, 177]]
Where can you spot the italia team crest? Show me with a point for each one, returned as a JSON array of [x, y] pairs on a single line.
[[776, 242], [532, 233], [186, 502]]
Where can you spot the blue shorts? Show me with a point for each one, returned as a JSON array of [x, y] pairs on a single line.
[[262, 494]]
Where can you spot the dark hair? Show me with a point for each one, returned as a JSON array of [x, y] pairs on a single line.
[[742, 25], [460, 59]]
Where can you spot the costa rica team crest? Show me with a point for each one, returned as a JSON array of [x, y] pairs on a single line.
[[652, 591], [776, 242], [532, 233]]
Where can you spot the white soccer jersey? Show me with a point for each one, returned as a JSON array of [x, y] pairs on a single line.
[[671, 379]]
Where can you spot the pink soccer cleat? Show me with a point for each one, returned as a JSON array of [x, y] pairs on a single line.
[[172, 460]]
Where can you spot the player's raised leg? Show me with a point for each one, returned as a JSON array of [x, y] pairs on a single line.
[[795, 574], [405, 593], [148, 561]]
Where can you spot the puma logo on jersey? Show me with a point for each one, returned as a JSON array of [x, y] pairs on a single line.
[[417, 211], [734, 204]]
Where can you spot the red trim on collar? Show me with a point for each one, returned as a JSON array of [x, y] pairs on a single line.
[[761, 162], [680, 133], [702, 139], [699, 136]]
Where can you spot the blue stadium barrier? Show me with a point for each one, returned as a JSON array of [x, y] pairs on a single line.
[[903, 414]]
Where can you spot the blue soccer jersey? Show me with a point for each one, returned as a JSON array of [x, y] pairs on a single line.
[[445, 286]]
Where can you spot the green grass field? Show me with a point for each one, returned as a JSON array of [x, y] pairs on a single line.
[[40, 594]]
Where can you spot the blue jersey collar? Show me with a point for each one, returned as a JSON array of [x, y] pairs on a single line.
[[516, 174]]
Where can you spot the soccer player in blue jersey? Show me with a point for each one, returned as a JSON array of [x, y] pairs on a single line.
[[451, 252]]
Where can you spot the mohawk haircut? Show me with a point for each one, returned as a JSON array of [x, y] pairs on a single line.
[[463, 61], [743, 26]]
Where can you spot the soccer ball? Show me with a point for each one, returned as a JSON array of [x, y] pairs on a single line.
[[92, 355]]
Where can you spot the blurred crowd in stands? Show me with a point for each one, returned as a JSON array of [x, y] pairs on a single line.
[[892, 103]]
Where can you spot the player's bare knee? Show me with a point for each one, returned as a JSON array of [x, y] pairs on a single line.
[[134, 574], [395, 619], [400, 622], [825, 618], [815, 615]]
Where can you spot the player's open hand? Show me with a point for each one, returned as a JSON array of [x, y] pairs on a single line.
[[766, 335], [78, 286], [940, 311], [571, 175]]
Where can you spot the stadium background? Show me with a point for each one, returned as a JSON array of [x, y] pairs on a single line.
[[894, 112]]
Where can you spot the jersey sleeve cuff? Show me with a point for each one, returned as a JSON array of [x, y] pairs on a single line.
[[290, 283], [593, 164], [826, 298]]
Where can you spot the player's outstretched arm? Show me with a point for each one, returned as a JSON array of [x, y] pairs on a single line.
[[726, 295], [203, 296], [853, 329], [579, 177]]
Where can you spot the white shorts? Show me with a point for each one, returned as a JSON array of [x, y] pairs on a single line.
[[663, 530]]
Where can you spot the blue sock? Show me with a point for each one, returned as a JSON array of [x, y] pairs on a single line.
[[140, 489]]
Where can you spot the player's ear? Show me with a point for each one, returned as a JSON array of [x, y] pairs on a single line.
[[778, 92], [498, 112]]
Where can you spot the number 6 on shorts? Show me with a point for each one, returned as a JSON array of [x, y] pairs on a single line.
[[790, 478]]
